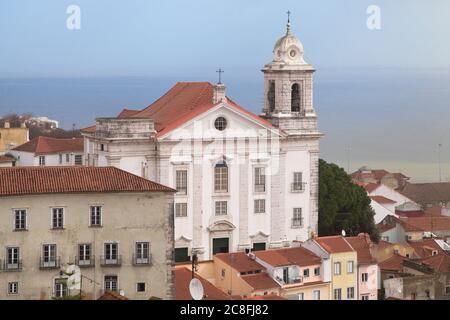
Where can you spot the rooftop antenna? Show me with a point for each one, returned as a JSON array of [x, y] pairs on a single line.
[[220, 71]]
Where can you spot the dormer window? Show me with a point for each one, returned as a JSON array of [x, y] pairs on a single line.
[[295, 98]]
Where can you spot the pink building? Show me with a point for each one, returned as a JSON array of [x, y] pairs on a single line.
[[368, 271]]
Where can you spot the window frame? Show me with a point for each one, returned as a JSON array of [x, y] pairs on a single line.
[[220, 208], [352, 291], [259, 179], [181, 177], [181, 210], [221, 177], [337, 264], [350, 267], [21, 215], [257, 207], [56, 227], [100, 214], [10, 286]]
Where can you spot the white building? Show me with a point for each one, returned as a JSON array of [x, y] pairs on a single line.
[[116, 227], [243, 180], [45, 151]]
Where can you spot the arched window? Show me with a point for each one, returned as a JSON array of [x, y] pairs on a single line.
[[271, 95], [295, 98], [221, 176]]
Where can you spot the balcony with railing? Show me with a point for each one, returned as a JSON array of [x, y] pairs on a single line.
[[142, 260], [85, 262], [15, 265], [50, 263], [298, 186], [290, 280], [297, 222], [111, 261]]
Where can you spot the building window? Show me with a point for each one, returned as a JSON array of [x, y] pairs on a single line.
[[317, 271], [260, 206], [447, 290], [181, 181], [259, 246], [295, 98], [102, 147], [221, 208], [301, 296], [57, 218], [142, 253], [221, 177], [60, 159], [96, 216], [140, 287], [42, 160], [111, 283], [20, 219], [67, 158], [12, 258], [351, 293], [365, 297], [271, 95], [364, 277], [337, 294], [181, 209], [78, 160], [182, 255], [222, 273], [84, 254], [13, 288], [306, 273], [298, 184], [220, 123], [49, 255], [260, 180], [349, 266], [61, 288], [111, 253], [337, 268], [297, 219], [385, 238], [316, 294]]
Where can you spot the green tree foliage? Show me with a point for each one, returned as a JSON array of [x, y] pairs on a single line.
[[342, 204]]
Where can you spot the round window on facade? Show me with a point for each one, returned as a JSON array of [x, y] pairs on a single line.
[[220, 123]]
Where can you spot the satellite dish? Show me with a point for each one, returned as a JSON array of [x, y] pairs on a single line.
[[196, 289], [343, 233], [122, 293]]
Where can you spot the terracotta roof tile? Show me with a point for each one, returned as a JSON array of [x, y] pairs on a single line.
[[240, 261], [425, 248], [45, 145], [266, 297], [111, 295], [362, 244], [440, 262], [260, 281], [394, 263], [126, 113], [4, 159], [183, 277], [429, 223], [76, 179], [334, 244], [370, 187], [290, 256], [427, 192]]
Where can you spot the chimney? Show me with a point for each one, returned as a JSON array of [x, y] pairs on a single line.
[[219, 93], [7, 126]]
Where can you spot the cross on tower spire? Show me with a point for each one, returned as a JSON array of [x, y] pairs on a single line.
[[220, 71], [288, 25]]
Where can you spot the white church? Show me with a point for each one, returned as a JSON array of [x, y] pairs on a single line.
[[243, 181]]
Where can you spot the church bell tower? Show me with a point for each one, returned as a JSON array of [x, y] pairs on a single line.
[[288, 82]]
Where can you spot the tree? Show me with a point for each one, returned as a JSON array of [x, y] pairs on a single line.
[[342, 204]]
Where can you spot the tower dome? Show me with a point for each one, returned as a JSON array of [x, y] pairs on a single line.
[[288, 51]]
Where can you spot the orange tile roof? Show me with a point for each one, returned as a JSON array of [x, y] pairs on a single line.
[[383, 227], [334, 244], [394, 263], [429, 223], [381, 199], [126, 113], [266, 297], [183, 102], [183, 277], [239, 261], [45, 145], [89, 129], [371, 187], [425, 248], [427, 192], [362, 244], [111, 295], [290, 256], [440, 263], [4, 159], [260, 281], [76, 179]]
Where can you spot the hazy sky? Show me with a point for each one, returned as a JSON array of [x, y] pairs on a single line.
[[384, 95]]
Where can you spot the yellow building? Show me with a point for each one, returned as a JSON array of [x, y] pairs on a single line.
[[12, 137], [339, 264], [385, 250]]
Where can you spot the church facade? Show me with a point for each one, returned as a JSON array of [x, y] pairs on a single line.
[[243, 181]]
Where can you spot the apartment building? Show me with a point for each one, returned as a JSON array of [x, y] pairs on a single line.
[[114, 228]]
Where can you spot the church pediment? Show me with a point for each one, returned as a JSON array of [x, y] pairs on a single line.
[[259, 237], [221, 225], [182, 241]]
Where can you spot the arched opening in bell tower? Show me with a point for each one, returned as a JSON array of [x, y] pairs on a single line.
[[295, 98]]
